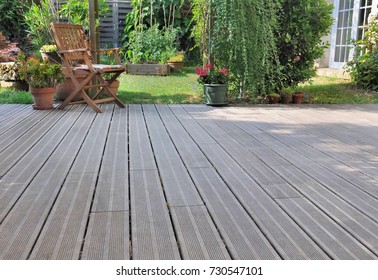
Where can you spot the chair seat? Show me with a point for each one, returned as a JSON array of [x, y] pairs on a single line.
[[101, 67]]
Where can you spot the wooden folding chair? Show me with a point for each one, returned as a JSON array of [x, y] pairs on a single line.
[[76, 56]]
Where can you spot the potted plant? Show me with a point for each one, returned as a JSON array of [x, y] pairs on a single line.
[[215, 82], [298, 97], [273, 98], [286, 96], [176, 62], [42, 77]]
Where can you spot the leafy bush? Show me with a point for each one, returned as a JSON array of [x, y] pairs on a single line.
[[364, 66], [11, 22], [301, 25], [152, 45]]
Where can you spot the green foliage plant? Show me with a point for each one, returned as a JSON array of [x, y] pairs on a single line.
[[77, 12], [38, 19], [152, 45], [12, 24], [37, 73], [364, 66], [301, 25]]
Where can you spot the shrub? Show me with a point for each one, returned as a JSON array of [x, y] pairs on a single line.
[[301, 25], [364, 66], [11, 22]]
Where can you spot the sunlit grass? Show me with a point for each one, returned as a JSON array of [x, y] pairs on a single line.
[[179, 87], [326, 90]]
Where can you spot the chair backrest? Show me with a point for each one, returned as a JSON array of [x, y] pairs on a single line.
[[70, 37]]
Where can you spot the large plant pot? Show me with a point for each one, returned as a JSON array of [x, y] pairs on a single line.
[[215, 94], [43, 98], [114, 87], [176, 65], [64, 89]]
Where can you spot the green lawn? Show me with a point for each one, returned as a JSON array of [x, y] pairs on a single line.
[[325, 90], [182, 87], [179, 87]]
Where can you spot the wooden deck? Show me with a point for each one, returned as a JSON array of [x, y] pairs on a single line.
[[189, 182]]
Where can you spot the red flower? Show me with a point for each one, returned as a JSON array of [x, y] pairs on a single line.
[[201, 72], [223, 70], [208, 66]]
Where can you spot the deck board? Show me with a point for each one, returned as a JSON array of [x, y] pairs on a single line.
[[189, 182]]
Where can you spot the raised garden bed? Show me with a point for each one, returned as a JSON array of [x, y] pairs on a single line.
[[148, 69]]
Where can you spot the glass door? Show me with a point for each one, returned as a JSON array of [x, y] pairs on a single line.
[[351, 18]]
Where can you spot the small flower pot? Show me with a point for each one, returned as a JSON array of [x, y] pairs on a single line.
[[286, 98], [176, 65], [298, 97], [273, 99]]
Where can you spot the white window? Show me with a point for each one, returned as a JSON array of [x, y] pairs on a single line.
[[351, 16]]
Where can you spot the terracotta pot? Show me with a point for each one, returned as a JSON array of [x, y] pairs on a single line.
[[298, 97], [273, 99], [64, 89], [286, 98], [176, 65], [114, 87], [43, 98]]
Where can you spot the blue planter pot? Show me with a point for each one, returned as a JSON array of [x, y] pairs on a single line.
[[215, 94]]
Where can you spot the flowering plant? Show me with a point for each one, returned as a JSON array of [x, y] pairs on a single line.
[[39, 74], [208, 75]]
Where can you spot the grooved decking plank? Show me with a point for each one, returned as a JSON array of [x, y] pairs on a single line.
[[197, 236], [286, 236], [107, 237], [16, 144], [112, 192], [349, 218], [141, 154], [14, 121], [243, 238], [335, 241], [187, 148], [63, 233], [178, 186], [151, 229], [11, 110], [19, 169], [355, 196], [21, 227]]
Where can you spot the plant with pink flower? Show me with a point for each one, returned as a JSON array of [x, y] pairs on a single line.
[[212, 75]]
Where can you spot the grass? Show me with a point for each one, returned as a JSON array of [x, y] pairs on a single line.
[[179, 87], [182, 87], [12, 97], [326, 90]]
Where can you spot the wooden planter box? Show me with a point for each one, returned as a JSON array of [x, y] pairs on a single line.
[[148, 69]]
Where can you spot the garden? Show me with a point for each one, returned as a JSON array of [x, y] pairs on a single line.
[[180, 51]]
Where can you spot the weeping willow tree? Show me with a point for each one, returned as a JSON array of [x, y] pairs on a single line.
[[239, 35]]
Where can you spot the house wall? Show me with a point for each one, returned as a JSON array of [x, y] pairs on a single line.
[[324, 61]]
